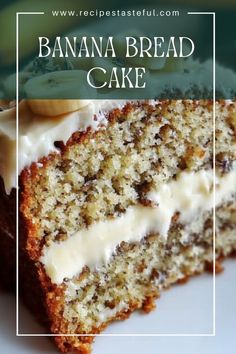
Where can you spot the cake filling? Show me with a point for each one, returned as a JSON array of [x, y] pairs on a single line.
[[190, 194]]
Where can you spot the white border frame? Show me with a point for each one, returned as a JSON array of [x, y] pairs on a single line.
[[17, 216]]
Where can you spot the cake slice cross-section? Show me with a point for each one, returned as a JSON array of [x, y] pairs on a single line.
[[119, 206]]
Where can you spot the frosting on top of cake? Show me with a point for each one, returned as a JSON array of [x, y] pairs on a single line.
[[37, 134]]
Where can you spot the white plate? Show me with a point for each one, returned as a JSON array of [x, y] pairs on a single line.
[[185, 305]]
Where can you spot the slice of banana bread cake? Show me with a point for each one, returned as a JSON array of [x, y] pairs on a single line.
[[121, 207]]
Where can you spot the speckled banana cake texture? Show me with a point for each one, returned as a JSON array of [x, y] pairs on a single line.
[[97, 176]]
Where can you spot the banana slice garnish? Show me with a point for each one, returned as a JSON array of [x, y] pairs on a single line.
[[44, 92], [161, 64], [9, 85]]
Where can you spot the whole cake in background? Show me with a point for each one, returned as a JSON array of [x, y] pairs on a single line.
[[116, 204]]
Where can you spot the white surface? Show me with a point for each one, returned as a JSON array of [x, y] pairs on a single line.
[[182, 306]]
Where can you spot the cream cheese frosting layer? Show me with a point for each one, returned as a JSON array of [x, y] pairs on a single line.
[[190, 194]]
